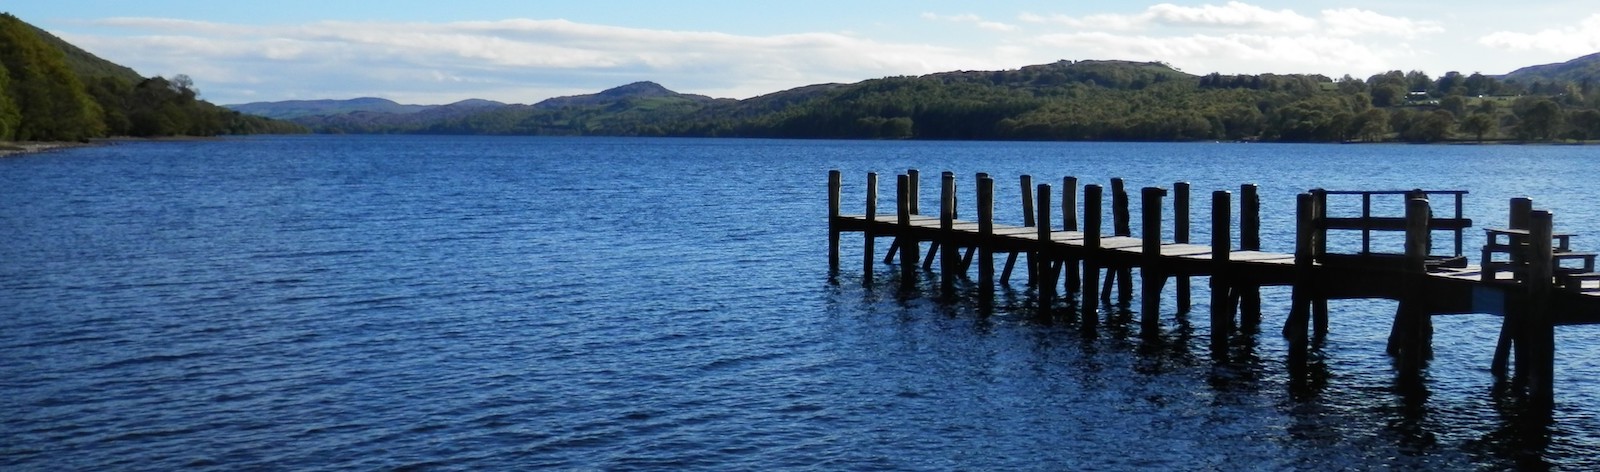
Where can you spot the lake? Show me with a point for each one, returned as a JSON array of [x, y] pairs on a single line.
[[494, 303]]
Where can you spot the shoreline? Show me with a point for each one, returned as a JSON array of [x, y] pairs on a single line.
[[19, 148]]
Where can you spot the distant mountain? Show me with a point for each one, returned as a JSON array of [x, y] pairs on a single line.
[[1063, 100], [299, 108], [1586, 68], [634, 91]]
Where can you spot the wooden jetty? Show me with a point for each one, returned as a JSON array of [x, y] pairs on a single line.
[[1527, 273]]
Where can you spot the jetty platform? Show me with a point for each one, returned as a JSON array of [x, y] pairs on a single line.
[[1525, 272]]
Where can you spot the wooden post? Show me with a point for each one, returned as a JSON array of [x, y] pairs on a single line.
[[1412, 333], [1120, 220], [914, 195], [835, 184], [1045, 282], [950, 262], [1221, 245], [908, 245], [1180, 235], [937, 246], [1296, 326], [868, 240], [1539, 332], [1091, 245], [1152, 276], [1069, 222], [1511, 323], [1027, 221], [986, 231], [966, 260], [1319, 251], [1249, 240]]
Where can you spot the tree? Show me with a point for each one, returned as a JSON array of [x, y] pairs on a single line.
[[50, 100], [10, 118], [1540, 121], [1454, 104], [1479, 125], [1429, 127], [1388, 95], [1371, 125], [1585, 123]]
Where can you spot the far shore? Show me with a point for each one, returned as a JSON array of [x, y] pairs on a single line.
[[16, 148], [12, 148]]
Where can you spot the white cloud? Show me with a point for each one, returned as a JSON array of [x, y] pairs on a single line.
[[1238, 37], [1357, 22], [972, 19], [1230, 52], [1580, 39], [522, 59], [1232, 15]]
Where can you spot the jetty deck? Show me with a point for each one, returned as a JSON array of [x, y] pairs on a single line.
[[1526, 273]]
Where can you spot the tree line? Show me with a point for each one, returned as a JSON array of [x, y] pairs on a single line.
[[1084, 100], [43, 99]]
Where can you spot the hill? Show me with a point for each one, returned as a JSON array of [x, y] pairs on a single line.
[[1582, 70], [298, 108], [1063, 100], [51, 90], [84, 64]]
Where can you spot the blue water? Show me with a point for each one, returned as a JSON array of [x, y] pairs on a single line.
[[472, 303]]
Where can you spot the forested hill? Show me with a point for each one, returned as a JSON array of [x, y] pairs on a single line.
[[1584, 71], [1066, 100], [53, 91]]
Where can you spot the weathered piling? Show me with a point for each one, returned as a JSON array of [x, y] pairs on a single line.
[[966, 259], [908, 246], [1296, 326], [1091, 268], [868, 239], [1319, 251], [1249, 295], [938, 247], [985, 202], [1511, 324], [1180, 235], [914, 191], [1411, 338], [1069, 222], [1027, 221], [835, 186], [1044, 281], [1221, 244], [1539, 328], [950, 260], [1120, 220], [1152, 276]]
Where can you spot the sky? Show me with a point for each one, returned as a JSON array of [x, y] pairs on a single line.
[[440, 51]]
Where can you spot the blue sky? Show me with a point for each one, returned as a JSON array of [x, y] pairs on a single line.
[[525, 51]]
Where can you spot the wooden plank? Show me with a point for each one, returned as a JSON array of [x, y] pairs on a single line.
[[1393, 224], [1120, 242], [1262, 257], [1180, 250]]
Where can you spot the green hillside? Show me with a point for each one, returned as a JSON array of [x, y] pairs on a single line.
[[1583, 72], [1066, 100], [53, 91]]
